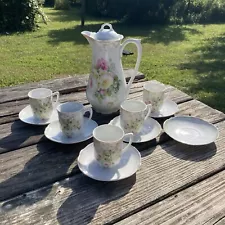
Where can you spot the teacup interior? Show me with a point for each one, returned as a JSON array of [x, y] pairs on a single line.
[[108, 133], [40, 93], [70, 107], [133, 106], [154, 87]]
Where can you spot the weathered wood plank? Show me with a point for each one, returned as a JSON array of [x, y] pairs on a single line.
[[20, 92], [198, 109], [203, 203], [31, 140], [34, 166], [63, 85], [165, 169]]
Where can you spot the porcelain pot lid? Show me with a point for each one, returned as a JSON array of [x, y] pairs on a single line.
[[107, 34]]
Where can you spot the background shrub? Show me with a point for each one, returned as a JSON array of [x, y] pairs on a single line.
[[135, 11], [17, 15], [62, 4], [199, 11], [159, 11]]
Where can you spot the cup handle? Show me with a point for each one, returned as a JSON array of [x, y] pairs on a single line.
[[57, 97], [131, 135], [149, 107], [89, 109]]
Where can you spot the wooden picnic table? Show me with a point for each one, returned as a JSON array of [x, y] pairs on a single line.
[[40, 182]]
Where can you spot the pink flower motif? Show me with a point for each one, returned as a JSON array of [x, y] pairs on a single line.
[[102, 64]]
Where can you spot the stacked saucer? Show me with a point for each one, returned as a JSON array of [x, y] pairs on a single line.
[[27, 116], [128, 165], [54, 133]]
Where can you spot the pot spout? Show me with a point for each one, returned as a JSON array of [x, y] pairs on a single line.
[[88, 36]]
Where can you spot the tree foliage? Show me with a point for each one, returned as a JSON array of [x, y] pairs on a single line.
[[135, 11], [160, 11], [199, 11], [17, 15]]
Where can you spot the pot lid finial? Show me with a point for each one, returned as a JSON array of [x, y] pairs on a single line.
[[107, 34]]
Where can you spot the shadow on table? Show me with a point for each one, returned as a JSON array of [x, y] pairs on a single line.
[[48, 163], [18, 138], [87, 196], [192, 153]]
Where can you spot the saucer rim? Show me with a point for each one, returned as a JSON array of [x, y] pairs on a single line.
[[166, 100], [66, 143], [104, 180], [47, 122], [192, 117], [149, 118]]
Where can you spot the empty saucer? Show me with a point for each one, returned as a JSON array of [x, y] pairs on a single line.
[[128, 165], [190, 130], [54, 133], [169, 108], [26, 115], [149, 131]]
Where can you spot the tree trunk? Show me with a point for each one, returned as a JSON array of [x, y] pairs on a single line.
[[83, 9]]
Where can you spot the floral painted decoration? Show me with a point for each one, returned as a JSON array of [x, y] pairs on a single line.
[[107, 81]]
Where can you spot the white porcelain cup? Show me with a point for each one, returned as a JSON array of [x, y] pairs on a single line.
[[71, 118], [42, 102], [133, 114], [154, 94], [108, 144]]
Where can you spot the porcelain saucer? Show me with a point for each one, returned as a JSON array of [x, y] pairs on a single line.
[[26, 115], [53, 132], [190, 130], [169, 108], [128, 165], [149, 131]]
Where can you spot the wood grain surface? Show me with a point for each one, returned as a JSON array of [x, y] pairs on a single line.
[[166, 169], [202, 203]]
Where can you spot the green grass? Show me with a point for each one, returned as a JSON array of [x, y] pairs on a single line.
[[190, 57]]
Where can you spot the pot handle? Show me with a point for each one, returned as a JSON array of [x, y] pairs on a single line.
[[137, 42]]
